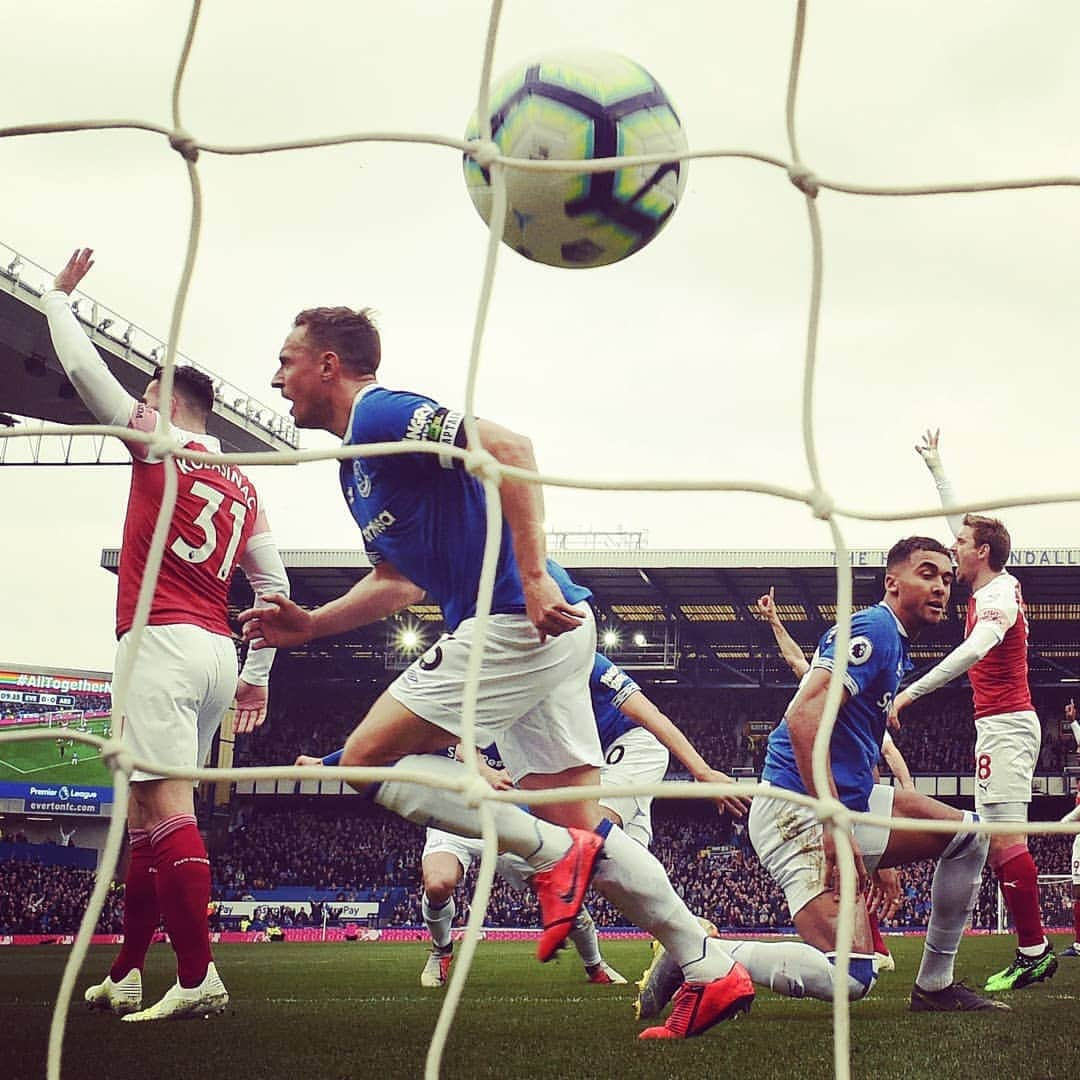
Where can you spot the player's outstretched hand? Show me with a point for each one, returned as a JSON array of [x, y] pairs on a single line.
[[250, 707], [547, 608], [766, 605], [307, 759], [1070, 710], [736, 805], [883, 896], [928, 450], [276, 623], [899, 703], [78, 266]]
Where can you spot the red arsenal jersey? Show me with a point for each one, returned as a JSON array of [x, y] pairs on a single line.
[[216, 509], [999, 681]]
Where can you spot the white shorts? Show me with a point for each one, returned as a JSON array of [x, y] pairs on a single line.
[[635, 757], [788, 840], [1076, 860], [533, 698], [183, 684], [1006, 750], [514, 870]]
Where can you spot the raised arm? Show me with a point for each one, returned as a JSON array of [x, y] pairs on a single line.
[[280, 623], [789, 647], [897, 765], [102, 394], [928, 450], [523, 508], [1074, 727], [644, 713]]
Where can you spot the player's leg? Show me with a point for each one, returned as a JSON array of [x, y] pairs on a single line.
[[1006, 750], [121, 990], [788, 841], [391, 734], [185, 683], [883, 960], [445, 859], [428, 698], [636, 757], [960, 857], [539, 750], [1073, 950]]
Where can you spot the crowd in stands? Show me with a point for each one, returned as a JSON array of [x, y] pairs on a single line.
[[708, 859], [368, 853], [938, 735], [38, 898], [353, 847], [347, 853]]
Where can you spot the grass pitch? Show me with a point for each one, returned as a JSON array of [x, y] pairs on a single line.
[[345, 1011]]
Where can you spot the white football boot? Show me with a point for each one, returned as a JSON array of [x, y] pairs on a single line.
[[437, 969], [121, 997], [180, 1003], [603, 974]]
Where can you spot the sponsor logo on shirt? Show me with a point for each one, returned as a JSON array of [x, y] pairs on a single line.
[[377, 525], [418, 424]]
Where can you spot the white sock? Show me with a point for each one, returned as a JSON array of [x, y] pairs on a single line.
[[791, 968], [632, 878], [1033, 950], [438, 920], [585, 939], [952, 896], [538, 842]]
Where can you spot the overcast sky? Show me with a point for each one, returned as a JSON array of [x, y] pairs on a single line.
[[684, 361]]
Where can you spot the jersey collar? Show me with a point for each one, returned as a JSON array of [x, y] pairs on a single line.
[[899, 624], [352, 412]]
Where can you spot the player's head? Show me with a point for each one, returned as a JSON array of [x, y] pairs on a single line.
[[193, 395], [918, 580], [982, 542], [327, 348]]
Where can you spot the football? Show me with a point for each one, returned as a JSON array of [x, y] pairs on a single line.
[[577, 106]]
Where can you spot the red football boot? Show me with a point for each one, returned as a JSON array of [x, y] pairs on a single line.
[[561, 890], [698, 1006]]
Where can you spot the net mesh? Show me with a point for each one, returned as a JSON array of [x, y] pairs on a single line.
[[489, 471]]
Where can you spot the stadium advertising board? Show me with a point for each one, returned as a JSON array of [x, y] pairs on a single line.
[[57, 774]]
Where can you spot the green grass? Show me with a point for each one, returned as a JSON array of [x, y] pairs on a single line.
[[39, 761], [336, 1011]]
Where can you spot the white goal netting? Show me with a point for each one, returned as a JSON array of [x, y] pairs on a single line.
[[806, 186]]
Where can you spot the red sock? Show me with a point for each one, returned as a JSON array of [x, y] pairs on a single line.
[[183, 889], [141, 915], [875, 933], [1076, 919], [1020, 886]]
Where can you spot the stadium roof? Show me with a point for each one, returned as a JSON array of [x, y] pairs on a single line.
[[692, 611], [33, 384]]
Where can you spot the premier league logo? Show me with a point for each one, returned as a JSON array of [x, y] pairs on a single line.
[[64, 794], [861, 648]]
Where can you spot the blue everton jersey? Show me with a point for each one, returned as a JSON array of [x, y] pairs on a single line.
[[877, 660], [610, 686], [423, 513]]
